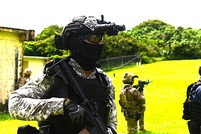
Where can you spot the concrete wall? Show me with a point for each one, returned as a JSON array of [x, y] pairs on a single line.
[[36, 64], [11, 47]]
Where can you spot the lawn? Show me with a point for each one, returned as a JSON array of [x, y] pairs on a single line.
[[164, 96]]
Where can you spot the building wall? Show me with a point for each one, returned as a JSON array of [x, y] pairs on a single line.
[[11, 56], [36, 64], [10, 49]]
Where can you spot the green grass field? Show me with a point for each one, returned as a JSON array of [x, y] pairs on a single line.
[[164, 96]]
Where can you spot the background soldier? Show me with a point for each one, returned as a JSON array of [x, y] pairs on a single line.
[[26, 77], [132, 103], [192, 106]]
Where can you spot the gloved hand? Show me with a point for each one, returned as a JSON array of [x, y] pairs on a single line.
[[73, 112]]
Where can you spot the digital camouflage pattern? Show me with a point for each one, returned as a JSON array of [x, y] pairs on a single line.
[[25, 103]]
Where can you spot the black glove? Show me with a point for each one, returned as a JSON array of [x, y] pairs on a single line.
[[73, 112]]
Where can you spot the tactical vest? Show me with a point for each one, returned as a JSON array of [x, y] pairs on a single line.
[[195, 111], [127, 100], [195, 107], [94, 91], [192, 109]]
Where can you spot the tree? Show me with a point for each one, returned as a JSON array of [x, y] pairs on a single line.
[[44, 43], [153, 39]]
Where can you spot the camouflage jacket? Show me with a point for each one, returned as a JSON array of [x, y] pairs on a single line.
[[131, 99], [28, 105]]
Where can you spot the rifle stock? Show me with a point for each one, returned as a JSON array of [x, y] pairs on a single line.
[[92, 121]]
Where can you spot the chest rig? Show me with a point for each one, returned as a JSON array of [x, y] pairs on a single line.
[[94, 90], [127, 100]]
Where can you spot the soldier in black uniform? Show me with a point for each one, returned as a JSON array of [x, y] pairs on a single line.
[[192, 106]]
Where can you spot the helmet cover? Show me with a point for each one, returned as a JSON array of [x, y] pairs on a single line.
[[27, 71], [128, 78]]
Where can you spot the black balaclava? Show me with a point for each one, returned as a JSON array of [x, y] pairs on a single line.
[[84, 53]]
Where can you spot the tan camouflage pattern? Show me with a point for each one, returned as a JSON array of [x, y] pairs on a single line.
[[141, 120], [25, 103], [22, 81], [132, 102], [131, 99], [128, 78], [27, 72], [131, 126]]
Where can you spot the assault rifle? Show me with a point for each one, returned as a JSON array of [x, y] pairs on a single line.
[[92, 121], [141, 84]]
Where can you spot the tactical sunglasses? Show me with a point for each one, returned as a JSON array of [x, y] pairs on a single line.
[[93, 38]]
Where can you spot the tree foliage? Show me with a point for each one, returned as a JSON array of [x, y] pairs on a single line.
[[153, 39], [44, 44]]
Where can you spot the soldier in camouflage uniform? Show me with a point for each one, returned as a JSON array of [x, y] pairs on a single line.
[[56, 105], [26, 77], [132, 103]]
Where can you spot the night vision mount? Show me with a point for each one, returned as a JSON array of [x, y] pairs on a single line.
[[87, 25]]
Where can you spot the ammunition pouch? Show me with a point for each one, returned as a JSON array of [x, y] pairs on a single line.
[[196, 110], [191, 110], [142, 108], [186, 110], [194, 115], [135, 115], [138, 115], [27, 129]]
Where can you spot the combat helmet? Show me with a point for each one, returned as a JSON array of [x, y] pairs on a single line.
[[27, 72], [83, 25], [128, 78]]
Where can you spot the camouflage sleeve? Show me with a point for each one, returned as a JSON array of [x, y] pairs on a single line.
[[112, 118], [25, 103]]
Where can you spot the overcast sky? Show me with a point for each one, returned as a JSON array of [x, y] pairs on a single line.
[[38, 14]]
